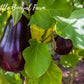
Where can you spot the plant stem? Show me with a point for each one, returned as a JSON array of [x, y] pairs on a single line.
[[26, 81], [22, 78], [72, 79], [69, 77], [45, 38]]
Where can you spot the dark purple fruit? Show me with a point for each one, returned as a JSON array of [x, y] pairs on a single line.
[[63, 46], [13, 42]]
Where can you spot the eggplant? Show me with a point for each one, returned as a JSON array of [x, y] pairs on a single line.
[[63, 46], [13, 42], [32, 6]]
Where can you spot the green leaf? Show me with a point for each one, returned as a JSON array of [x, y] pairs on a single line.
[[26, 14], [31, 81], [81, 53], [9, 2], [42, 19], [23, 73], [37, 59], [3, 80], [69, 60], [17, 2], [9, 78], [12, 78], [3, 19], [16, 14], [72, 28], [47, 10], [52, 76], [56, 7]]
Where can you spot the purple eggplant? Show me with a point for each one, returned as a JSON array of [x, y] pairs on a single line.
[[13, 42], [63, 46]]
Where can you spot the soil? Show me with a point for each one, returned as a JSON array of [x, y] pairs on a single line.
[[79, 72]]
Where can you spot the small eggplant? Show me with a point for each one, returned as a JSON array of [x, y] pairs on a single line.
[[63, 46], [13, 42]]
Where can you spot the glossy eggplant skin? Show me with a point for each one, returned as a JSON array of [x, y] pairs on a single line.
[[63, 46], [13, 42], [32, 6]]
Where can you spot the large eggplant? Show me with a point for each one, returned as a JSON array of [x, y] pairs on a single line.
[[13, 42]]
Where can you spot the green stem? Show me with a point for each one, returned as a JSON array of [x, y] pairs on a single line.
[[26, 81], [72, 79], [45, 38], [22, 78], [69, 77]]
